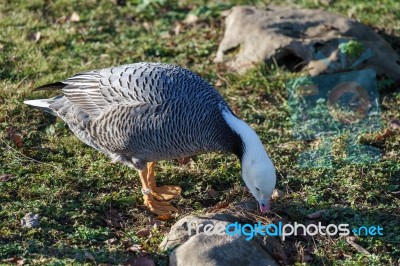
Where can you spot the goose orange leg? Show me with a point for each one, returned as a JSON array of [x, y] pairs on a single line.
[[158, 207], [163, 192]]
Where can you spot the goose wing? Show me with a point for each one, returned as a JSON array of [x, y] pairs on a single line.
[[98, 90]]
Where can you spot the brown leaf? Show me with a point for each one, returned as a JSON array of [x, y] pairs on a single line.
[[74, 17], [236, 110], [15, 260], [34, 36], [394, 124], [387, 133], [6, 177], [184, 160], [211, 193], [14, 136], [316, 215], [143, 232], [164, 217], [359, 248]]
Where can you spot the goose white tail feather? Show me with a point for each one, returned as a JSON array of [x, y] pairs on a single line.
[[44, 103]]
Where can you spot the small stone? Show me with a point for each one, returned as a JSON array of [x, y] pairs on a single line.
[[30, 220]]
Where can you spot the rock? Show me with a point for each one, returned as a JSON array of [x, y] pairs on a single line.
[[31, 220], [204, 248], [295, 37]]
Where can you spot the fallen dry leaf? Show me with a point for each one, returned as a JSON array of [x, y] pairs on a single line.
[[74, 17], [184, 160], [34, 36], [387, 133], [6, 177], [316, 215], [359, 248], [277, 194], [15, 260], [177, 28], [135, 248], [218, 83], [146, 26], [143, 232], [191, 19], [14, 136], [164, 217], [212, 193], [110, 241], [236, 110]]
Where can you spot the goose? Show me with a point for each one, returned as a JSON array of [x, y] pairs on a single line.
[[142, 113]]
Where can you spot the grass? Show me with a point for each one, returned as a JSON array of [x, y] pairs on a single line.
[[85, 200]]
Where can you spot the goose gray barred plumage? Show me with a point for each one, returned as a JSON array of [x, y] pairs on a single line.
[[142, 113]]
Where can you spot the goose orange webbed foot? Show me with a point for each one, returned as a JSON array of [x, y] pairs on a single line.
[[163, 208], [166, 192]]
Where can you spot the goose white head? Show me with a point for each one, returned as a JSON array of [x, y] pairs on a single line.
[[258, 172]]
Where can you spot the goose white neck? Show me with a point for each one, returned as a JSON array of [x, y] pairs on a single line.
[[254, 151]]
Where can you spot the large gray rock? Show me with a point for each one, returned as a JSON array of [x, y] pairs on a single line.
[[293, 37], [201, 248]]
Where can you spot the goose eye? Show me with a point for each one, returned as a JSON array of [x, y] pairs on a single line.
[[257, 188]]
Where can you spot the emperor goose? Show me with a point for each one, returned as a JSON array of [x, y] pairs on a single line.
[[141, 113]]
